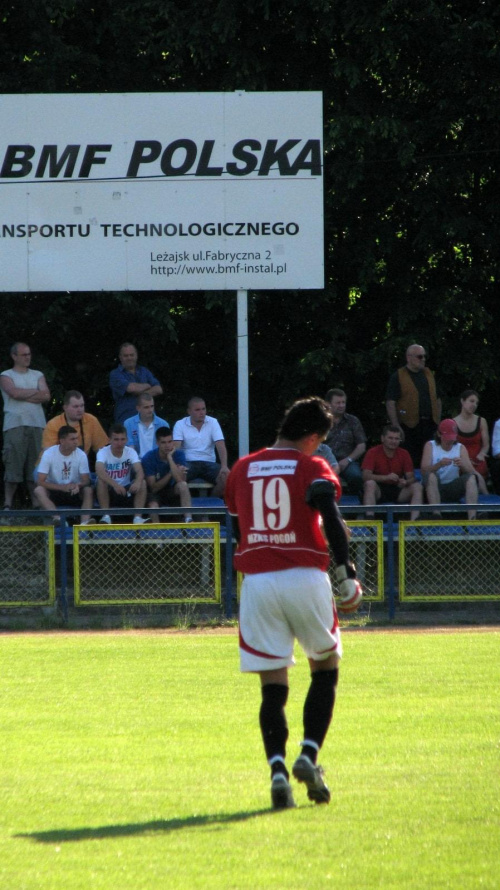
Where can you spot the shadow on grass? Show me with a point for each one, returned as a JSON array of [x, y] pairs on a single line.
[[63, 835]]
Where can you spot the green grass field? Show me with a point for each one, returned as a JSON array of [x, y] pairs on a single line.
[[133, 760]]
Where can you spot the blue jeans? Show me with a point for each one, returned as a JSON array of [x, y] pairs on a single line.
[[352, 479]]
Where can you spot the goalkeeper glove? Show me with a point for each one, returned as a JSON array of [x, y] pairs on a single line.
[[350, 592]]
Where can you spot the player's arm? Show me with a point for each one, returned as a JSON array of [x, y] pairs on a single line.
[[16, 392], [139, 478], [321, 496], [220, 447]]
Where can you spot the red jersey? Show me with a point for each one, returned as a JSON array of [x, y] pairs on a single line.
[[377, 461], [279, 530]]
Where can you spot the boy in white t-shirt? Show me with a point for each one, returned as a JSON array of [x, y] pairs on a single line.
[[120, 477], [63, 475]]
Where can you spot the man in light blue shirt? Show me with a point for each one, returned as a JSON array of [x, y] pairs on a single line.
[[142, 427]]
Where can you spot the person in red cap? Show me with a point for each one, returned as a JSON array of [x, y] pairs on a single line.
[[446, 469]]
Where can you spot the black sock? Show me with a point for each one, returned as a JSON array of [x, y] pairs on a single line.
[[273, 724], [318, 709]]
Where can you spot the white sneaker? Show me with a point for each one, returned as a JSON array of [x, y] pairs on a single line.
[[139, 520], [106, 519]]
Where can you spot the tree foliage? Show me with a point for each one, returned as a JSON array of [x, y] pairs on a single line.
[[412, 227]]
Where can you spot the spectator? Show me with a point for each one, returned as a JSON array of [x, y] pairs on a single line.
[[120, 477], [495, 454], [347, 440], [200, 436], [388, 474], [24, 391], [413, 403], [165, 471], [473, 433], [446, 469], [142, 427], [91, 435], [63, 475], [128, 380], [327, 454]]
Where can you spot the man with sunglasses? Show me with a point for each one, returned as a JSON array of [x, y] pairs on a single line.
[[413, 403]]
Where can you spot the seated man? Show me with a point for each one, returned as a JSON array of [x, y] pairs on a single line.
[[91, 435], [388, 476], [323, 450], [446, 469], [141, 428], [165, 471], [115, 465], [63, 475], [347, 439], [198, 434]]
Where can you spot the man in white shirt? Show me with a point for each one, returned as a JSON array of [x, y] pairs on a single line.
[[24, 391], [142, 427], [120, 477], [63, 475], [200, 436]]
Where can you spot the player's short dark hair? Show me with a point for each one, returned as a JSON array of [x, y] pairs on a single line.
[[335, 392], [65, 431], [117, 428], [162, 432], [194, 399], [306, 416], [390, 428], [71, 394]]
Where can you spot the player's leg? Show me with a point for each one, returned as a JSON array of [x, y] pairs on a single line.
[[318, 712], [314, 620], [266, 648], [274, 730]]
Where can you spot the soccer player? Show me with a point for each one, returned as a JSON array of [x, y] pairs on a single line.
[[283, 503]]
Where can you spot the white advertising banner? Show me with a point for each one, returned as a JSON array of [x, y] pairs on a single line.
[[161, 191]]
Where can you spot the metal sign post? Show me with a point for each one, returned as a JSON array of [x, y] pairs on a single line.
[[243, 422]]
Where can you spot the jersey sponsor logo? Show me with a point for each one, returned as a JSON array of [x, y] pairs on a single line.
[[272, 468]]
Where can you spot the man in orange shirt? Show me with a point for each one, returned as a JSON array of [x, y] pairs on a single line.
[[90, 432]]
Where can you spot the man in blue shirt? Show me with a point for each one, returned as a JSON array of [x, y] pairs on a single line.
[[128, 380], [141, 428], [165, 471]]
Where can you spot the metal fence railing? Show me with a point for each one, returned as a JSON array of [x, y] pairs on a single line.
[[27, 566], [431, 560], [123, 564]]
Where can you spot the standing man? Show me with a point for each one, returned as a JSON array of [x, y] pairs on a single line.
[[388, 473], [412, 402], [128, 380], [120, 477], [141, 428], [91, 435], [165, 471], [63, 475], [283, 500], [201, 436], [347, 440], [24, 391]]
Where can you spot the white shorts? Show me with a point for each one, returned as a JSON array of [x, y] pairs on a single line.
[[278, 607]]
